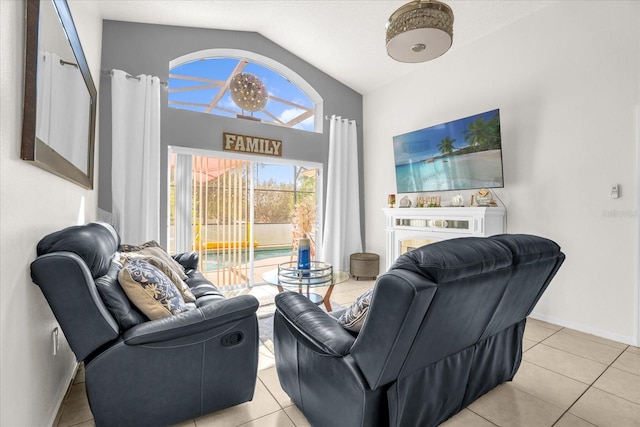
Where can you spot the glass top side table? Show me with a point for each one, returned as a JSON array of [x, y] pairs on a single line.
[[319, 274]]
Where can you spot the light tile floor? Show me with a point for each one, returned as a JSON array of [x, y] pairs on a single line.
[[566, 379]]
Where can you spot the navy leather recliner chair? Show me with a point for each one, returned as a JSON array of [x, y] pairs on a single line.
[[445, 326], [141, 372]]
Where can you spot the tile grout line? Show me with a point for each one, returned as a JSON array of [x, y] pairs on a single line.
[[555, 331], [472, 411], [573, 354], [626, 373], [587, 336], [264, 416], [540, 342], [591, 341], [560, 373], [543, 367], [536, 343], [272, 395], [592, 385]]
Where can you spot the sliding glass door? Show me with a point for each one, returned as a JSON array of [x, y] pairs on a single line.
[[242, 217]]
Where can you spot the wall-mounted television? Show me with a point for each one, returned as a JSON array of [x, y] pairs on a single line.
[[462, 154]]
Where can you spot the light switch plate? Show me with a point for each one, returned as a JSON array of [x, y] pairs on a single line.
[[615, 191]]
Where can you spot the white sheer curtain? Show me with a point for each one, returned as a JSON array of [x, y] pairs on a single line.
[[342, 235], [183, 198], [135, 170]]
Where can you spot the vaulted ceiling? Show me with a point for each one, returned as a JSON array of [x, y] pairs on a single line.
[[343, 38]]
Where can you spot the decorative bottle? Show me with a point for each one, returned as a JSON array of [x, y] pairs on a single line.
[[304, 255]]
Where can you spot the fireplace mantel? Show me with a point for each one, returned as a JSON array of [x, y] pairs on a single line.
[[408, 228]]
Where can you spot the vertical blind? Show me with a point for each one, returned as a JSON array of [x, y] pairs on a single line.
[[221, 218]]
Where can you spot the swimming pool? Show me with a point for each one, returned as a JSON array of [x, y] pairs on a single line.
[[212, 261]]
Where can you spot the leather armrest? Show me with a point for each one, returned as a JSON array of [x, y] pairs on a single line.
[[312, 325], [192, 322], [189, 260]]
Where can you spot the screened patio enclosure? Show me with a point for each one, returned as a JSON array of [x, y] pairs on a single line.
[[242, 217]]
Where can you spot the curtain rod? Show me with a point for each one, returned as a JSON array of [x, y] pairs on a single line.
[[129, 76], [68, 63], [327, 117]]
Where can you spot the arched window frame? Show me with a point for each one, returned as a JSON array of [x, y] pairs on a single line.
[[264, 61]]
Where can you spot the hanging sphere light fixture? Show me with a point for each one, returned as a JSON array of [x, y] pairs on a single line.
[[248, 92]]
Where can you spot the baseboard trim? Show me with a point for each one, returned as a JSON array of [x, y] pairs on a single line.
[[61, 400], [584, 328]]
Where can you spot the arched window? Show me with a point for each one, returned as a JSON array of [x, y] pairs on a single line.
[[245, 85]]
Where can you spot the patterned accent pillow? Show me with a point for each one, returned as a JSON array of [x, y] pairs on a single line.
[[133, 248], [184, 289], [158, 252], [150, 290], [353, 317], [114, 297]]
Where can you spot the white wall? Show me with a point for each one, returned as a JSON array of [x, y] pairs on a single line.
[[32, 204], [567, 83]]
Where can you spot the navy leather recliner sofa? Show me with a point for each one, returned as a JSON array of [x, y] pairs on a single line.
[[141, 372], [445, 326]]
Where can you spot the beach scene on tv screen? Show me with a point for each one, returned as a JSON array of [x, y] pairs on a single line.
[[458, 155]]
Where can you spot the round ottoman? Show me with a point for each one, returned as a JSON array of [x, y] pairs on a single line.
[[364, 265]]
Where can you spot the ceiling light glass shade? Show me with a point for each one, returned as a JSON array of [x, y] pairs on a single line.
[[248, 92], [420, 31]]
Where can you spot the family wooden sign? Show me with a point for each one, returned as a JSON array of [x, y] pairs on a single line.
[[251, 144]]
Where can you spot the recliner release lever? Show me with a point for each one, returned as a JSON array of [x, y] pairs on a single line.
[[234, 338]]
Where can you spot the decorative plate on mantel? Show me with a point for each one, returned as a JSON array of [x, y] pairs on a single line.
[[405, 202]]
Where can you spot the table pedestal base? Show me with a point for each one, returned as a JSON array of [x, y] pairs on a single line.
[[315, 298]]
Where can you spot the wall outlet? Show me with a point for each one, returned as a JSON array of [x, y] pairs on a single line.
[[55, 341]]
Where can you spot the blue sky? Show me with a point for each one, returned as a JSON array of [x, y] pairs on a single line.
[[220, 69], [279, 173]]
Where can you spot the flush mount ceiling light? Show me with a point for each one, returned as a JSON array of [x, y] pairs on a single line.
[[248, 92], [420, 31]]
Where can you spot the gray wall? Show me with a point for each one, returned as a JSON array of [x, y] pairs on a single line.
[[147, 49]]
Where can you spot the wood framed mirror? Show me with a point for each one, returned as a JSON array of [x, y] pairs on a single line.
[[59, 118]]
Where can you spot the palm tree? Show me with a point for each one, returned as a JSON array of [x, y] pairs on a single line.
[[495, 140], [446, 145], [483, 135]]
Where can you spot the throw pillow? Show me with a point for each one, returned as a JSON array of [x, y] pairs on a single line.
[[150, 290], [184, 289], [353, 317], [158, 252], [114, 297], [134, 248]]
